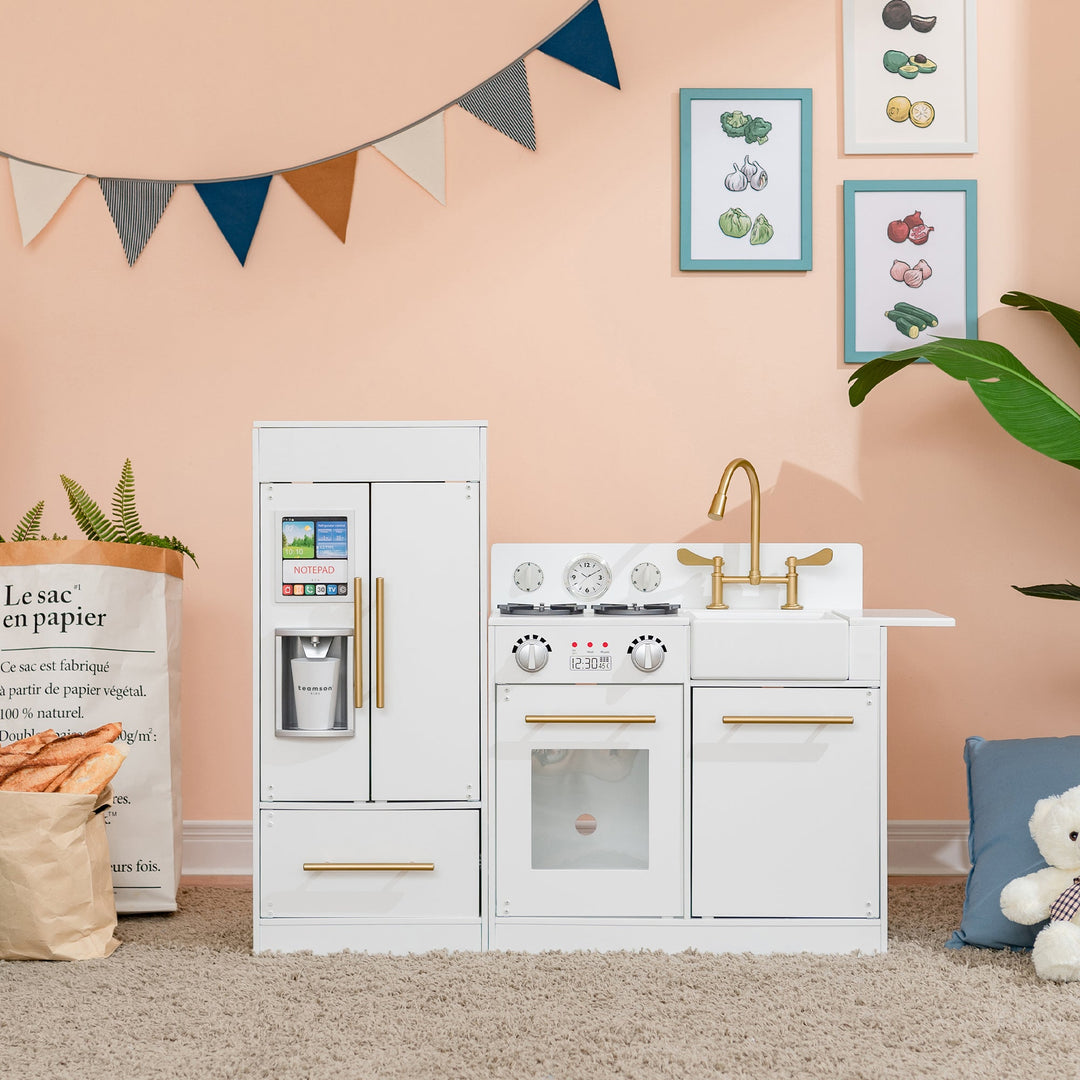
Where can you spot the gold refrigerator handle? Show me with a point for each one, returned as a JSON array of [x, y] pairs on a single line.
[[380, 659], [358, 643], [590, 719], [789, 719], [374, 866]]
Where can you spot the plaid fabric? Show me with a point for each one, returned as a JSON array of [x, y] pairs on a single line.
[[1067, 904]]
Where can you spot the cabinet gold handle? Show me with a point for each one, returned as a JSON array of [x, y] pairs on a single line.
[[380, 659], [391, 867], [358, 643], [590, 719], [789, 719]]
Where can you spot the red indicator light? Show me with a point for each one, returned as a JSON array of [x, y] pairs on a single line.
[[588, 644], [573, 644], [604, 644]]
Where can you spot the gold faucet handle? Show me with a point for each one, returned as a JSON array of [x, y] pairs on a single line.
[[690, 558], [819, 558]]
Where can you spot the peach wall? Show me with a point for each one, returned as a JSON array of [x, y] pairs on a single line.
[[546, 299]]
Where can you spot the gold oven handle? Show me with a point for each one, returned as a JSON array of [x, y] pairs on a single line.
[[789, 719], [380, 637], [391, 867], [358, 643], [590, 719]]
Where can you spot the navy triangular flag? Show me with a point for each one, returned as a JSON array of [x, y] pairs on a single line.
[[136, 207], [504, 103], [583, 43], [236, 206]]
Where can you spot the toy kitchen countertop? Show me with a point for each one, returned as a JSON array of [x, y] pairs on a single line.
[[655, 729]]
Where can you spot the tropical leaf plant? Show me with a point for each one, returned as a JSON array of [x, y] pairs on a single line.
[[1019, 401]]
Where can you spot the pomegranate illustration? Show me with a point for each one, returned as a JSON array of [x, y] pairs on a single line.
[[898, 231]]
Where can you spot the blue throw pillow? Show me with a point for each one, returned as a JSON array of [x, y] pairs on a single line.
[[1006, 778]]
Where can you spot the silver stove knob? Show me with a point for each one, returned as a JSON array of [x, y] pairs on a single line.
[[531, 653], [647, 653]]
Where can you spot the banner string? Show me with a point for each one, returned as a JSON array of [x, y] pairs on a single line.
[[328, 157]]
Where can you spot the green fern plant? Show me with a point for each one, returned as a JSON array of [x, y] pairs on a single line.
[[123, 527], [29, 527]]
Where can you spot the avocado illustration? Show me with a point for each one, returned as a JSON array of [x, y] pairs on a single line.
[[894, 60], [923, 63], [909, 71]]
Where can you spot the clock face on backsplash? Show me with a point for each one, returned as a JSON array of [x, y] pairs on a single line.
[[587, 577]]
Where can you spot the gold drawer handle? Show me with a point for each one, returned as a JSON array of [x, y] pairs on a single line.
[[376, 866], [590, 719], [789, 719]]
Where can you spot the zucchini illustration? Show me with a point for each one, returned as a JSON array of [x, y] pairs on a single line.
[[917, 313], [905, 323]]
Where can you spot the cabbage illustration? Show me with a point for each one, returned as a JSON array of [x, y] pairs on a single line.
[[736, 222], [761, 232]]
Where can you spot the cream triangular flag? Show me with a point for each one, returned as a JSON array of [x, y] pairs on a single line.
[[39, 192], [420, 152]]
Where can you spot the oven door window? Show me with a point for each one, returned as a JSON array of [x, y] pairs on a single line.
[[590, 809]]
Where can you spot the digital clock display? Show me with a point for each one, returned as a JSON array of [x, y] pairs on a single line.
[[591, 663]]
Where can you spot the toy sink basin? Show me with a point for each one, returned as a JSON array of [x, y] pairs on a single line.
[[767, 644]]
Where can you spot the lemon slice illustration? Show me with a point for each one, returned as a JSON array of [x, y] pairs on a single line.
[[898, 109], [922, 114]]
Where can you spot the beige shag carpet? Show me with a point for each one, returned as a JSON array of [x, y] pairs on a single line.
[[184, 999]]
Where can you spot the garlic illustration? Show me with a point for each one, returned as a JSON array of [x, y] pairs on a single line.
[[755, 175], [735, 181]]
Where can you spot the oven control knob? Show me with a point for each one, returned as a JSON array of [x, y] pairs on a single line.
[[531, 652], [647, 652]]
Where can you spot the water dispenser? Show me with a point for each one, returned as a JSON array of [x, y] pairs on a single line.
[[313, 672]]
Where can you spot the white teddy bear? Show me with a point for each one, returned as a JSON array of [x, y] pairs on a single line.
[[1054, 892]]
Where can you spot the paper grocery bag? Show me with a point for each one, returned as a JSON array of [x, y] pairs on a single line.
[[90, 633], [56, 895]]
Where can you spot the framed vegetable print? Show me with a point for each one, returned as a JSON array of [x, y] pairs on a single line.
[[910, 80], [910, 271], [745, 169]]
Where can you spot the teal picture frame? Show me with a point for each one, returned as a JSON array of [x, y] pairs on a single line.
[[720, 222], [941, 275]]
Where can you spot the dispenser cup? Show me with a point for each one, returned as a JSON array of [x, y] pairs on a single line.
[[315, 690]]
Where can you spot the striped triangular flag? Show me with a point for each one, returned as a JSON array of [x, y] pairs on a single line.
[[136, 207], [39, 192], [583, 43], [327, 188], [420, 152], [236, 206], [504, 103]]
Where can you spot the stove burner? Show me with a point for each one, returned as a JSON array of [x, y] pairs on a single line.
[[635, 609], [541, 609]]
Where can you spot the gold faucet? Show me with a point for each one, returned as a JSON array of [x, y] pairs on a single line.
[[755, 576]]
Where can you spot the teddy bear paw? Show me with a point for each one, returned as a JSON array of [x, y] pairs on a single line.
[[1057, 952]]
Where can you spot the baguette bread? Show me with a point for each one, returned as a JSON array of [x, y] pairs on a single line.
[[92, 774], [33, 777], [69, 748], [30, 745]]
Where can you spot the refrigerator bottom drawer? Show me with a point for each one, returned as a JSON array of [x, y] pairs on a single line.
[[369, 863]]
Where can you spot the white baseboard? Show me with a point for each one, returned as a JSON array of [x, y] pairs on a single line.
[[922, 848], [916, 848]]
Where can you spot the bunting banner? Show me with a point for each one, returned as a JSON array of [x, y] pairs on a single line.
[[504, 103], [39, 193], [236, 206], [327, 188], [419, 151], [136, 207]]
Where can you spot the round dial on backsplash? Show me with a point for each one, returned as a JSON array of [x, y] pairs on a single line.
[[645, 577], [528, 577], [587, 577]]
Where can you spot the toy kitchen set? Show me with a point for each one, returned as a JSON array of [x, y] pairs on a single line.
[[660, 747]]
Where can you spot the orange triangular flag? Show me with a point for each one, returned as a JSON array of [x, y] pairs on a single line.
[[327, 189]]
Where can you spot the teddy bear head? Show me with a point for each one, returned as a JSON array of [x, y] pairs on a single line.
[[1055, 828]]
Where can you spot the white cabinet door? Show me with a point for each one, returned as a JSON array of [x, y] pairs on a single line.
[[295, 766], [785, 803], [425, 692]]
